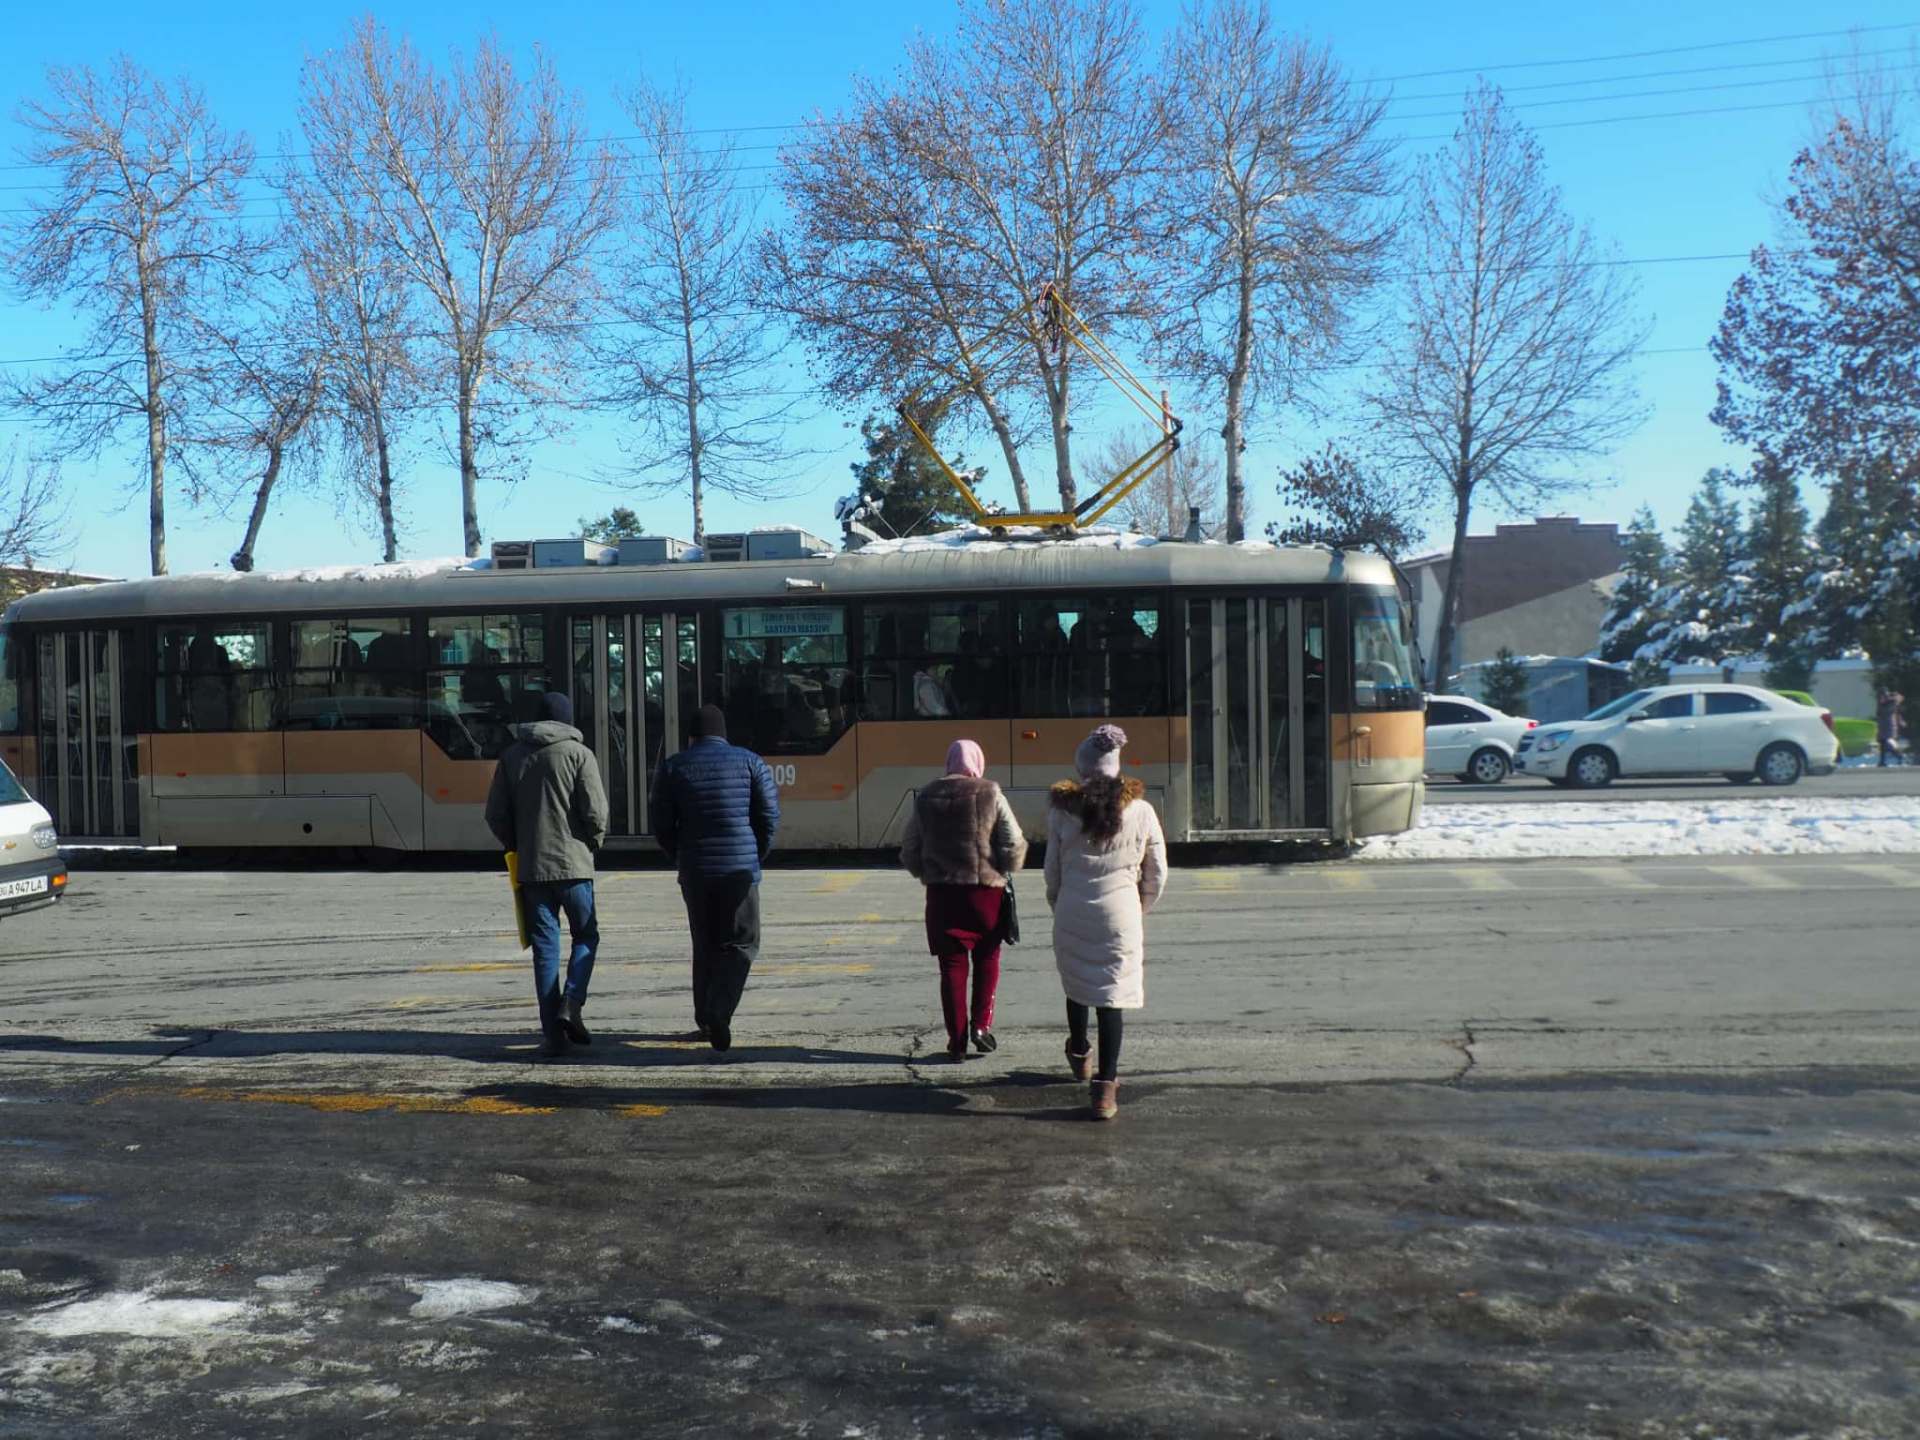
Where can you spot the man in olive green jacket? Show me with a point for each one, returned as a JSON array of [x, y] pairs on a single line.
[[547, 804]]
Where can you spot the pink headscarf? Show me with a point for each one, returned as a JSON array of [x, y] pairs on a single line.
[[965, 757]]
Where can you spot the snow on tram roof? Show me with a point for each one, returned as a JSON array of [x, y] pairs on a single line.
[[955, 559]]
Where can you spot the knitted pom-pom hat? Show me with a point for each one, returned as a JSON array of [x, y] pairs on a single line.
[[1099, 753]]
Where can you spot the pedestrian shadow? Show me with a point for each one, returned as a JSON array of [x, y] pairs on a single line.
[[641, 1050]]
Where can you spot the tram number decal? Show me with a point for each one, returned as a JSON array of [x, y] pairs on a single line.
[[783, 774]]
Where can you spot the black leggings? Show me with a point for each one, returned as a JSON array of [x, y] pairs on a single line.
[[1111, 1025]]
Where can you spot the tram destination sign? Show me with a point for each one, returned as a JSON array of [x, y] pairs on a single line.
[[784, 622]]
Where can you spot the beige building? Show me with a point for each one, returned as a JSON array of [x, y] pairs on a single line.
[[1535, 589]]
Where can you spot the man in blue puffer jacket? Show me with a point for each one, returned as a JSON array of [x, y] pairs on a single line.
[[715, 811]]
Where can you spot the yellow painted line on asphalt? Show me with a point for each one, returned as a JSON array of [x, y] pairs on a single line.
[[1615, 877], [816, 967], [350, 1102], [1754, 877], [423, 1002], [1350, 880], [1216, 882], [641, 1112], [473, 967], [1483, 880], [838, 884], [1897, 875], [874, 917]]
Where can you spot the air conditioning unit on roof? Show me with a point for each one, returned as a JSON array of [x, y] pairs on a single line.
[[513, 554], [785, 544], [726, 547]]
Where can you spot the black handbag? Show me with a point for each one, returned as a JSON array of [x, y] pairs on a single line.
[[1009, 917]]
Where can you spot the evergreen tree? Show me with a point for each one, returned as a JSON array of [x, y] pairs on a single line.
[[1706, 608], [1504, 684], [1779, 558], [1633, 613], [914, 494], [1861, 595], [619, 523]]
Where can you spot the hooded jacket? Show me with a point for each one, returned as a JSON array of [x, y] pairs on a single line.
[[548, 804], [715, 809], [1100, 896], [961, 831]]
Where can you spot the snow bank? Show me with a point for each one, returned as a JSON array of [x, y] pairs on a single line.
[[136, 1312], [1579, 830], [446, 1299]]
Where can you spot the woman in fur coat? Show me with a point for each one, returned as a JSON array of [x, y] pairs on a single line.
[[962, 843], [1106, 866]]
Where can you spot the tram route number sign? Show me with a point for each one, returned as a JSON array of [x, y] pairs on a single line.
[[785, 622]]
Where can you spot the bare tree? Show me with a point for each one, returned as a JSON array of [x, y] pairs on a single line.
[[1513, 359], [691, 360], [34, 517], [1011, 161], [1185, 480], [1337, 499], [362, 317], [488, 189], [871, 272], [1273, 181], [142, 224], [256, 393]]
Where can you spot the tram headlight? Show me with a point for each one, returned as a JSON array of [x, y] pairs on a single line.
[[44, 836], [1550, 742]]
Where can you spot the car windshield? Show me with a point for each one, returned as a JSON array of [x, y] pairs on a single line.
[[1625, 702], [11, 792]]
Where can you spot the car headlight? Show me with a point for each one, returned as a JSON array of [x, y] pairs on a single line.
[[44, 836], [1550, 741]]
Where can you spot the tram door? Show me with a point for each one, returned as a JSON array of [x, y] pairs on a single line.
[[89, 759], [634, 680], [1257, 713]]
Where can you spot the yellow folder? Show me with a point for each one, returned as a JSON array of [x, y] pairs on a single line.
[[519, 906]]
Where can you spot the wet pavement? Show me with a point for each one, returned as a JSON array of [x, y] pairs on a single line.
[[1519, 1150]]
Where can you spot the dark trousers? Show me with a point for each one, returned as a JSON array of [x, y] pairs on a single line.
[[1112, 1028], [723, 912]]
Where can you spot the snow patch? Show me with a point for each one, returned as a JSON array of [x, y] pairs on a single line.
[[448, 1299], [138, 1312], [1631, 829]]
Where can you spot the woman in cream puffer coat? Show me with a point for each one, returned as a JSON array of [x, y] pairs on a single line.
[[1106, 866]]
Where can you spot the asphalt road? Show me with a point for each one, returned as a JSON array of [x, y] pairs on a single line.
[[1843, 784], [1545, 1149]]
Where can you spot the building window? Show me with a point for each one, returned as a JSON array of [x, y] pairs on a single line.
[[215, 676], [785, 684], [354, 675], [1097, 655], [486, 674], [933, 661]]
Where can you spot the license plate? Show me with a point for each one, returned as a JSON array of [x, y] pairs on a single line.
[[17, 889]]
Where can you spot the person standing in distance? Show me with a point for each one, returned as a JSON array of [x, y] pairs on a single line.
[[715, 812], [547, 804]]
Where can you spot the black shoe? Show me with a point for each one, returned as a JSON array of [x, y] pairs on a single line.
[[720, 1036], [984, 1042], [570, 1018], [554, 1045]]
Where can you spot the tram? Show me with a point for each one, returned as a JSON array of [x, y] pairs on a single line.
[[1268, 693]]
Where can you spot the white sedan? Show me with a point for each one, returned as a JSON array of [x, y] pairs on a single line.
[[1738, 731], [1471, 740]]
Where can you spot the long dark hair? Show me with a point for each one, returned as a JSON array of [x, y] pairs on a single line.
[[1101, 800]]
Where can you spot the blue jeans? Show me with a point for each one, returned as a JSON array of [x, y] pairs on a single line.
[[544, 903]]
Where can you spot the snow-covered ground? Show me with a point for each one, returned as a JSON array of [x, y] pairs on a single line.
[[1601, 830]]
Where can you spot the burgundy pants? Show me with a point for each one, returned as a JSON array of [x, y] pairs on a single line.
[[963, 924]]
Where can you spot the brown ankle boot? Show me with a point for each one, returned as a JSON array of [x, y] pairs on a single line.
[[1104, 1097], [1079, 1062]]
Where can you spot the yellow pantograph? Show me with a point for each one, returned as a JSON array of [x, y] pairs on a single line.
[[1046, 320]]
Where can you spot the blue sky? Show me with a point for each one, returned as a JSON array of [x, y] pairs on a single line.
[[1683, 186]]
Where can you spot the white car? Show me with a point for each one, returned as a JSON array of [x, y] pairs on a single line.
[[1738, 731], [31, 871], [1471, 740]]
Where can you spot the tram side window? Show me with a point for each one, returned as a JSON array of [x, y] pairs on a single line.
[[486, 675], [932, 661], [1383, 675], [215, 676], [1095, 655], [784, 680], [354, 675], [10, 668]]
